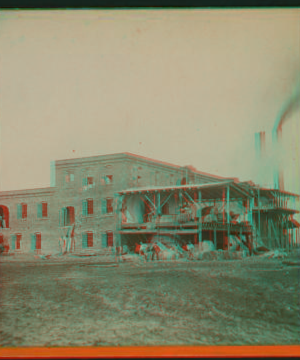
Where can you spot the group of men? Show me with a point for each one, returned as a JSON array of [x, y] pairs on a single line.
[[154, 250]]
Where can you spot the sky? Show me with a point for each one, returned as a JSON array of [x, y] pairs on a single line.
[[190, 87]]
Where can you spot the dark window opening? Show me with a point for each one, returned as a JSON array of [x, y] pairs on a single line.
[[4, 217], [67, 216], [22, 211], [18, 241], [90, 236], [42, 210], [90, 206], [38, 241], [183, 181], [87, 182], [109, 206], [110, 238], [87, 239]]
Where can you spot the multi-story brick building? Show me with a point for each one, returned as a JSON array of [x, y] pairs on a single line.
[[84, 191]]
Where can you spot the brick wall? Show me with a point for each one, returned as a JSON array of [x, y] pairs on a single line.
[[70, 191]]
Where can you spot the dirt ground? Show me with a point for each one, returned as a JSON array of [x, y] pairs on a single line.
[[88, 303]]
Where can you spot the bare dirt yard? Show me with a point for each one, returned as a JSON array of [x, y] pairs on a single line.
[[83, 302]]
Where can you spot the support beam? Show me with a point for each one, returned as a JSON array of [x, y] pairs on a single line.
[[158, 204], [258, 200], [275, 232], [146, 203], [166, 200], [199, 217], [223, 199], [150, 201], [215, 238], [228, 217], [189, 199]]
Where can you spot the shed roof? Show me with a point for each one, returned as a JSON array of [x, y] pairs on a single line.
[[209, 190]]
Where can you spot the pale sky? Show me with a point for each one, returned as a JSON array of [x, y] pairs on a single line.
[[190, 87]]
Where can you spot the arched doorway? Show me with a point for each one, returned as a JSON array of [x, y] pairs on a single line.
[[4, 216]]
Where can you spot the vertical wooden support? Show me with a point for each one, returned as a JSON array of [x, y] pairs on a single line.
[[251, 203], [199, 217], [223, 199], [118, 214], [228, 216], [215, 237], [269, 231], [158, 204], [258, 214]]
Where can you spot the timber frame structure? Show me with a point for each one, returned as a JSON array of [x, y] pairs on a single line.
[[198, 201]]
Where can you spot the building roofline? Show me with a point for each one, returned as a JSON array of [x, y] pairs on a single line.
[[27, 192], [175, 187], [279, 191], [135, 156]]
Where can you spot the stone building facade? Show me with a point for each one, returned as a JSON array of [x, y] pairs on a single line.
[[83, 191]]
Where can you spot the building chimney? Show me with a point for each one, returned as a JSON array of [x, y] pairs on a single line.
[[286, 111], [260, 150]]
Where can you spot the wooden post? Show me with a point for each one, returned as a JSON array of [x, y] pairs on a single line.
[[228, 217], [223, 200], [215, 238], [158, 204], [259, 229], [199, 217], [251, 203]]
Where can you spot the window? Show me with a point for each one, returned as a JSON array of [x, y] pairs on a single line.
[[107, 180], [36, 241], [107, 206], [87, 207], [69, 177], [107, 239], [22, 211], [87, 183], [67, 216], [16, 241], [4, 217], [87, 239], [42, 210]]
